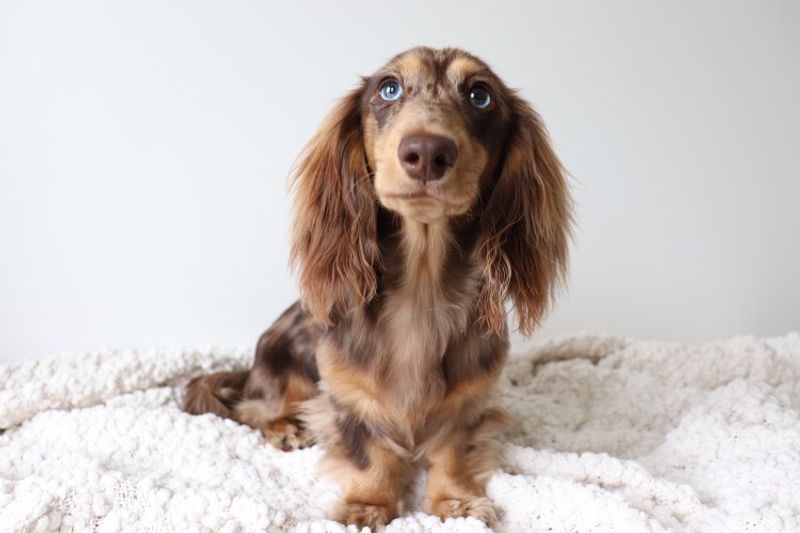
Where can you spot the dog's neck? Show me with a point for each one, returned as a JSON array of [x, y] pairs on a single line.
[[427, 306], [425, 247]]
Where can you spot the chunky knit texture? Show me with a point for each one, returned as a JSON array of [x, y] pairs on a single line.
[[610, 435]]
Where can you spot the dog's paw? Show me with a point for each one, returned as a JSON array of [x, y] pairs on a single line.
[[363, 514], [477, 507], [288, 437]]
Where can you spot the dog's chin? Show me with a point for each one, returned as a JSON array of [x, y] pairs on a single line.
[[427, 203], [423, 208]]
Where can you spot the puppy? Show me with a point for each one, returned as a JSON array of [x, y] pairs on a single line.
[[428, 198]]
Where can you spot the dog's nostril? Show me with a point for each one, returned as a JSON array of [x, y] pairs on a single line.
[[440, 161], [412, 158]]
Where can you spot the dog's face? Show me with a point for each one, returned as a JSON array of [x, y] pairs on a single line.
[[433, 123], [433, 134]]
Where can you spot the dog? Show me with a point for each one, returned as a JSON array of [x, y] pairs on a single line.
[[428, 198]]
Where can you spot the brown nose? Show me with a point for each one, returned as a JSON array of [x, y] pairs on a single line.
[[427, 157]]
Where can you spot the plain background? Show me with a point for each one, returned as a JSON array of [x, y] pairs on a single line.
[[144, 149]]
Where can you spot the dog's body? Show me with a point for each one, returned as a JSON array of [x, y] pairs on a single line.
[[429, 197]]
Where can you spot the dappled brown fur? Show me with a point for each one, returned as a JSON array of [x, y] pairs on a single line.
[[390, 356], [215, 393]]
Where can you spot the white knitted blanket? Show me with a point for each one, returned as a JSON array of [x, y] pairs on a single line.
[[610, 435]]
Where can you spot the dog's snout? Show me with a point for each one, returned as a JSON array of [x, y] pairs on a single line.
[[427, 157]]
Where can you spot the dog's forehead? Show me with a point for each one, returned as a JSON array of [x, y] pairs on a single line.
[[427, 68]]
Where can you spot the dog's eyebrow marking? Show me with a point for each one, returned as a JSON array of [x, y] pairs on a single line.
[[462, 68], [409, 66]]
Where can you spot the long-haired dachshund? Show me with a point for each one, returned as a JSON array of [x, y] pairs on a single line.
[[428, 198]]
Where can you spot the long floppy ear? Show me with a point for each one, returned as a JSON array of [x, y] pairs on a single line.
[[525, 226], [334, 244]]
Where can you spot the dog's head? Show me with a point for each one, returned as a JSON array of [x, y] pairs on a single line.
[[432, 135], [433, 122]]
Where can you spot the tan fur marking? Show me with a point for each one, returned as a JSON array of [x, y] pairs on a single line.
[[409, 67], [468, 392], [461, 68], [372, 495], [352, 388], [298, 389], [280, 426], [458, 470]]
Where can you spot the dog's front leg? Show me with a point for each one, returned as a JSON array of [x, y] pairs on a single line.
[[352, 420], [459, 467], [373, 481]]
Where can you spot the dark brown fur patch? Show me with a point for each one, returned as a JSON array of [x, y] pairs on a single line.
[[354, 434], [289, 345]]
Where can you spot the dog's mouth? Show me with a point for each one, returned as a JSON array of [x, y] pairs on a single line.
[[424, 205], [415, 195], [421, 197]]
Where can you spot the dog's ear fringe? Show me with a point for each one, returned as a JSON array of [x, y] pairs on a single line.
[[525, 227], [525, 224], [334, 243]]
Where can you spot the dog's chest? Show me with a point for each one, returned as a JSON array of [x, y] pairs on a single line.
[[421, 317]]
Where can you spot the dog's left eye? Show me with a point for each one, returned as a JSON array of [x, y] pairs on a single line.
[[391, 90], [479, 97]]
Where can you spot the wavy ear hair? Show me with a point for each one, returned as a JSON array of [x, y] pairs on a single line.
[[525, 226], [334, 243]]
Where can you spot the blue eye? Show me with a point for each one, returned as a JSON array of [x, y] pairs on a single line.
[[391, 90], [479, 97]]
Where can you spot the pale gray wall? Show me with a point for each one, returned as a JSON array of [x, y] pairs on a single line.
[[144, 148]]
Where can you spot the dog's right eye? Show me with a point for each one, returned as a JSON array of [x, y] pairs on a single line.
[[390, 90]]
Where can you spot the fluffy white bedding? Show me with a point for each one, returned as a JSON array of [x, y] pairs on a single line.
[[610, 435]]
